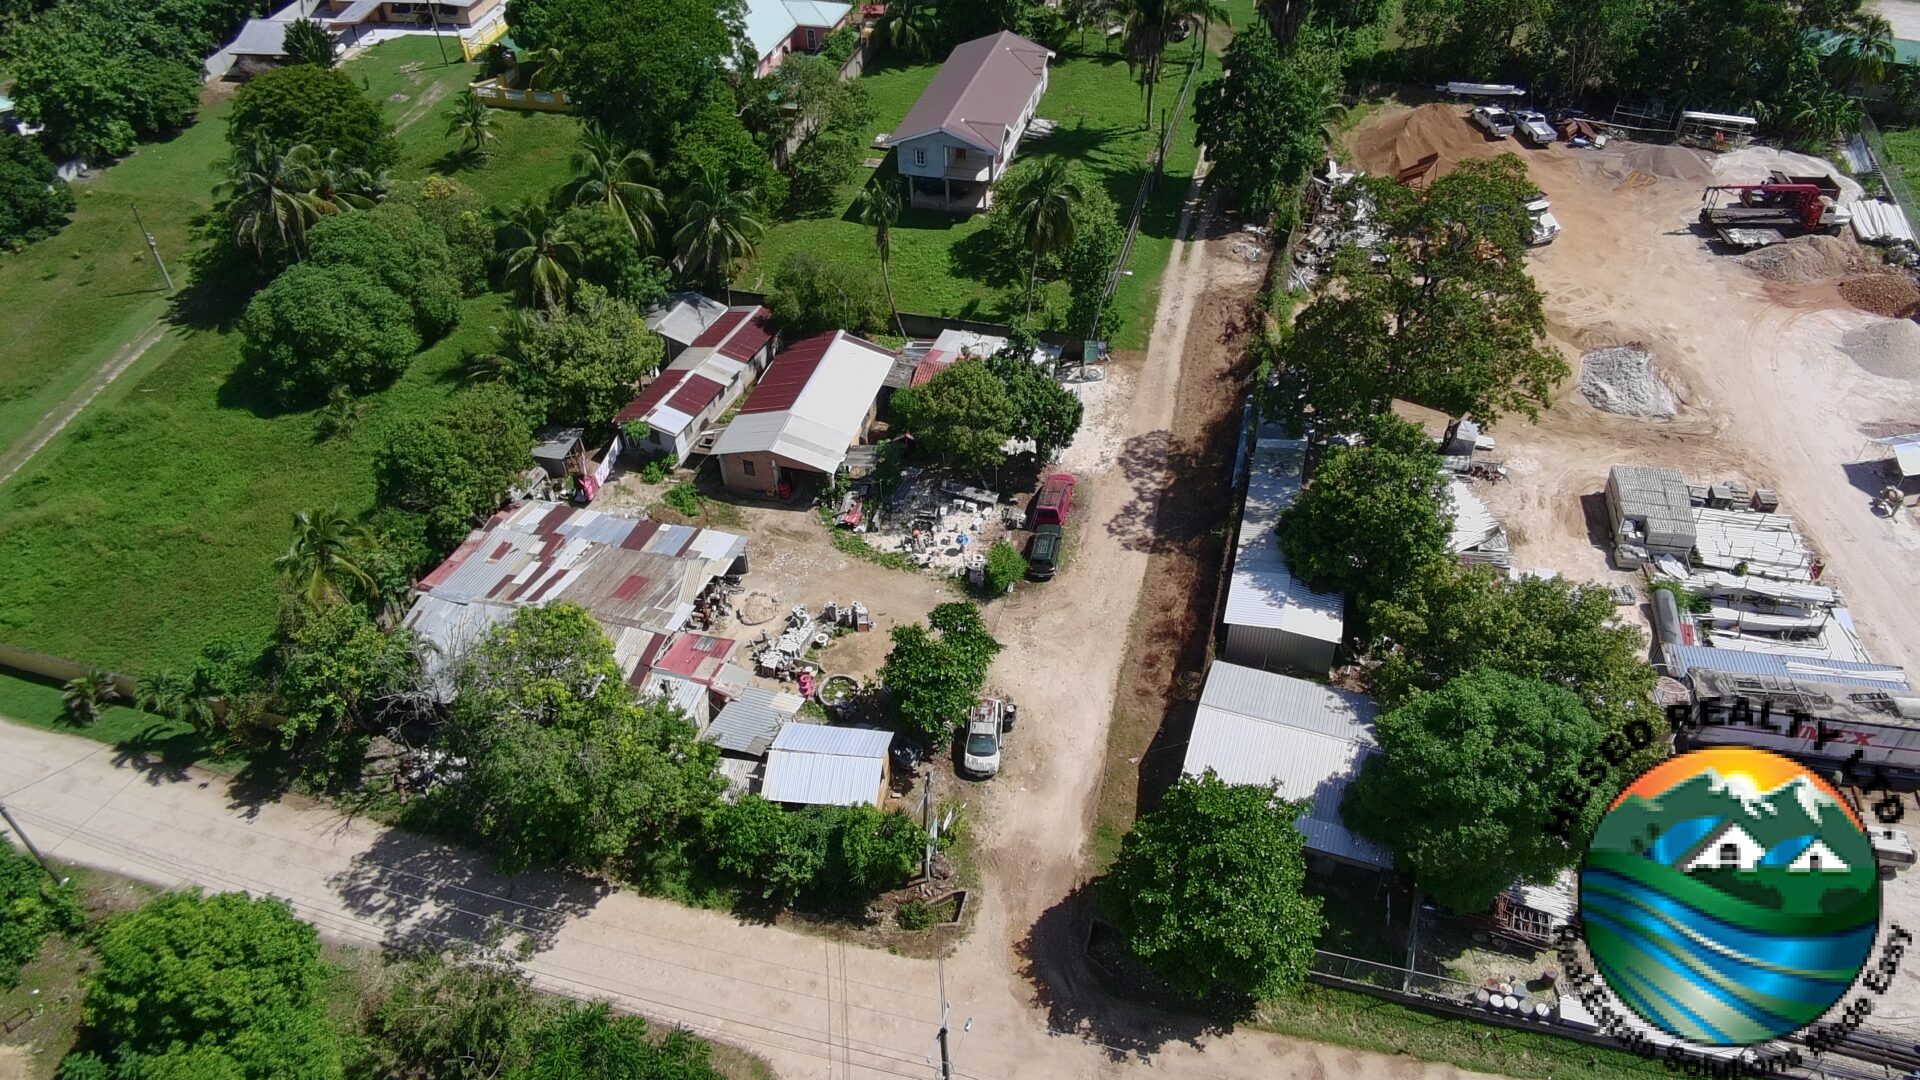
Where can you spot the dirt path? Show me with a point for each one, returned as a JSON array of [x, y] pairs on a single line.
[[55, 422]]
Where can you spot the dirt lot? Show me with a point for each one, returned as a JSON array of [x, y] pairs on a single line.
[[1766, 392]]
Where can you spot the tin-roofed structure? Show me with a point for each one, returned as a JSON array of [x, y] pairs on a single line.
[[1273, 620], [1305, 739], [682, 318], [961, 134], [1650, 513], [1682, 660], [638, 578], [817, 765], [702, 381], [748, 724], [814, 402]]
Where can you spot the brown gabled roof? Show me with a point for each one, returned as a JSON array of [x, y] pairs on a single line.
[[979, 92]]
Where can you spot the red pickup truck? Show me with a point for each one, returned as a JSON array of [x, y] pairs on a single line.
[[1055, 500]]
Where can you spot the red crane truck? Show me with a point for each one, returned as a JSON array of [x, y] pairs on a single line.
[[1762, 214]]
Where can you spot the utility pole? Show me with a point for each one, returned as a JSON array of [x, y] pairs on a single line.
[[946, 1052], [58, 880], [153, 247], [926, 823], [434, 17]]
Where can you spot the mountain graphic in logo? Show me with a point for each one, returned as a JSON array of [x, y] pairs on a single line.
[[1729, 897]]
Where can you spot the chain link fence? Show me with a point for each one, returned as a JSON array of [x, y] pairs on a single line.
[[1889, 172]]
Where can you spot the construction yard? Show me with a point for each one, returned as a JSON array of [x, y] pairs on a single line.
[[1772, 368]]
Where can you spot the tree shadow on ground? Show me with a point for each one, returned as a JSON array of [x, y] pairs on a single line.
[[161, 752], [1080, 1001], [428, 894]]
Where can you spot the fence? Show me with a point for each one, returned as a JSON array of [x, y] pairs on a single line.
[[1889, 172], [502, 97]]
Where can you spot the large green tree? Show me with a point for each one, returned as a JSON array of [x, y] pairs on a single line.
[[578, 365], [823, 856], [330, 670], [1470, 781], [1042, 409], [963, 414], [318, 327], [565, 768], [1443, 312], [318, 107], [457, 465], [1369, 518], [812, 292], [934, 673], [34, 201], [101, 75], [1263, 119], [1208, 891], [212, 986], [404, 252]]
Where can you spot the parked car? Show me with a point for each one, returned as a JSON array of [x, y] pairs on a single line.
[[1494, 120], [1043, 554], [1533, 129], [1540, 213], [987, 726], [1055, 500]]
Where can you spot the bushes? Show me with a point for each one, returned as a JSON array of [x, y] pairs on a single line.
[[812, 293], [34, 907], [1005, 565], [34, 201], [579, 365], [456, 466], [684, 498], [933, 681], [401, 250], [317, 327], [318, 107], [821, 855]]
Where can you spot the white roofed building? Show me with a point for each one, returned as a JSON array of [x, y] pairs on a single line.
[[1275, 621], [817, 765], [778, 28], [1306, 740], [813, 403]]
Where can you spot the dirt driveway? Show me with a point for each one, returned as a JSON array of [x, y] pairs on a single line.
[[1766, 392]]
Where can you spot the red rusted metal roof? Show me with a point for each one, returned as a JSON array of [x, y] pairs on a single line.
[[654, 394], [751, 337], [788, 374], [723, 327], [696, 393], [695, 656]]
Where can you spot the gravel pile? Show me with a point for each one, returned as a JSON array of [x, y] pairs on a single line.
[[1670, 162], [1890, 350], [1802, 259], [1892, 295], [1620, 379]]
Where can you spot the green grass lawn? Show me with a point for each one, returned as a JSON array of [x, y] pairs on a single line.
[[150, 525], [1101, 117]]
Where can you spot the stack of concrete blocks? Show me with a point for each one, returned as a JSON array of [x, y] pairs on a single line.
[[1650, 514]]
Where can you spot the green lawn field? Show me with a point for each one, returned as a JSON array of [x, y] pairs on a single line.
[[150, 525]]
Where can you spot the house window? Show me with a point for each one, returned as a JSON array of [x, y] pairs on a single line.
[[920, 157], [746, 466], [959, 153], [654, 437], [812, 35], [1729, 856]]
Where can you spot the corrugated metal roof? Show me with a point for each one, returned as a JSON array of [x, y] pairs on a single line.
[[650, 397], [1473, 523], [770, 22], [684, 317], [1906, 452], [812, 402], [1255, 727], [748, 724], [1684, 658], [825, 739], [684, 694], [821, 779], [750, 337], [1262, 592], [980, 92]]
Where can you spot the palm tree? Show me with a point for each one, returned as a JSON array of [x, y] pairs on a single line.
[[339, 185], [717, 226], [472, 120], [324, 557], [607, 172], [909, 26], [1149, 27], [185, 697], [271, 193], [509, 352], [85, 695], [1865, 50], [1284, 16], [307, 42], [537, 256], [878, 205], [1045, 206]]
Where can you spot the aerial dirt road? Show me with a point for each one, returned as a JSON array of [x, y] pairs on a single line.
[[814, 1008]]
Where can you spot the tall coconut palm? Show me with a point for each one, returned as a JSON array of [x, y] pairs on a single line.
[[537, 257], [1149, 28], [1284, 17], [270, 189], [717, 227], [322, 560], [1865, 50], [471, 119], [878, 205], [339, 185], [84, 696], [1045, 206], [607, 172], [908, 27]]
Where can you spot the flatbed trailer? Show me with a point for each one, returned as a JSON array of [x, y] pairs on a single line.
[[1747, 239]]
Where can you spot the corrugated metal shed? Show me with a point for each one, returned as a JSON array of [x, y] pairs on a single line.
[[1655, 503], [749, 723], [684, 317], [1906, 452], [819, 765], [687, 696], [1684, 658], [1309, 740], [1262, 592]]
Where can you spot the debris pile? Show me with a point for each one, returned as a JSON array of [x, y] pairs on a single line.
[[1890, 350], [1620, 379], [1892, 295], [1802, 259]]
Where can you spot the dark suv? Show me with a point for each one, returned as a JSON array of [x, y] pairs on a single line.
[[1043, 555]]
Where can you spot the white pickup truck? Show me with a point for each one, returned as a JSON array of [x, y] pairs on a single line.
[[1494, 120], [1533, 129], [1540, 212]]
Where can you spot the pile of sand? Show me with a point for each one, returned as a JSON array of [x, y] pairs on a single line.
[[1892, 295], [1669, 162], [1620, 379], [1802, 259], [1890, 350], [1400, 141]]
